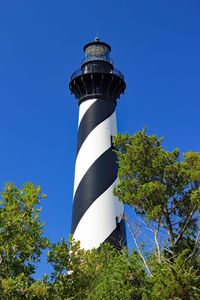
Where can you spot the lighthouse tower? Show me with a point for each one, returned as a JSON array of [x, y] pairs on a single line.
[[97, 214]]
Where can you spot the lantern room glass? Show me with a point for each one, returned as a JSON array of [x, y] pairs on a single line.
[[97, 52]]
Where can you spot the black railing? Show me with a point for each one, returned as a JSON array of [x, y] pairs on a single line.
[[96, 57], [100, 70]]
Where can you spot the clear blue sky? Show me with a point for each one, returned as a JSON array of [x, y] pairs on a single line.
[[156, 44]]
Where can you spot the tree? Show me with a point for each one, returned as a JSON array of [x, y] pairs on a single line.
[[178, 280], [21, 240], [164, 192]]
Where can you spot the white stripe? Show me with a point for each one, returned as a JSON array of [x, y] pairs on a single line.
[[84, 107], [99, 220], [96, 143]]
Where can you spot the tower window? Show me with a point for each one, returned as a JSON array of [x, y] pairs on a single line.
[[117, 224], [112, 141]]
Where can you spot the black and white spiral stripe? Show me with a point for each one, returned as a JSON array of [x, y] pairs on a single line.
[[97, 213]]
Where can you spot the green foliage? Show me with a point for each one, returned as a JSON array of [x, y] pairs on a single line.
[[21, 241], [175, 281], [73, 271], [118, 275], [103, 274]]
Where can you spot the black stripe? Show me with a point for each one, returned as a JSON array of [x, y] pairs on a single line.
[[118, 237], [99, 111], [96, 180]]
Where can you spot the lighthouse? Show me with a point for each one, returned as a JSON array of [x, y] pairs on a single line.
[[97, 214]]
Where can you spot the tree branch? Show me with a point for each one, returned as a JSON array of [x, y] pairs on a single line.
[[155, 237], [169, 226], [185, 225], [138, 248], [157, 243], [195, 247]]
